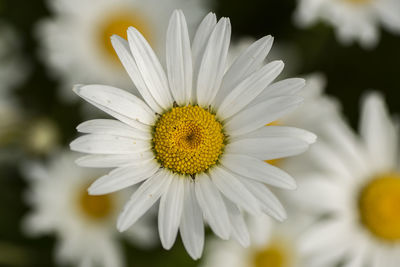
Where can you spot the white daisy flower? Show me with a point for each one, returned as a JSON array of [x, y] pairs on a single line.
[[198, 140], [357, 191], [354, 20], [84, 224], [273, 245], [76, 41]]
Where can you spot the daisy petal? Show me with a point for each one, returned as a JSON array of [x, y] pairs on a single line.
[[258, 170], [179, 59], [123, 177], [144, 197], [268, 201], [213, 206], [323, 234], [121, 47], [247, 63], [239, 228], [234, 190], [114, 160], [213, 63], [112, 127], [170, 211], [249, 89], [191, 227], [378, 132], [121, 117], [150, 68], [279, 131], [117, 100], [108, 144], [200, 41], [286, 87], [255, 117], [268, 148]]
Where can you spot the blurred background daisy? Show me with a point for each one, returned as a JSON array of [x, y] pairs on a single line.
[[342, 48]]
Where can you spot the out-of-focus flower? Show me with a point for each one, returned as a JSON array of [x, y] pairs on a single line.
[[199, 132], [272, 245], [356, 191], [353, 19], [76, 41], [83, 224], [40, 136]]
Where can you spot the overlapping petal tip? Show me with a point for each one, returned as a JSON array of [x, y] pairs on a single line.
[[150, 69], [213, 63]]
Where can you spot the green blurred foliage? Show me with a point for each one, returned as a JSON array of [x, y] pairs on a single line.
[[350, 71]]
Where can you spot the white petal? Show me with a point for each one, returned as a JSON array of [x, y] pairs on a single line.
[[114, 160], [213, 63], [108, 144], [130, 121], [150, 68], [378, 132], [123, 177], [268, 148], [117, 100], [191, 227], [200, 41], [322, 234], [279, 131], [358, 255], [212, 205], [247, 90], [268, 201], [258, 170], [234, 190], [121, 46], [179, 59], [247, 63], [144, 197], [239, 228], [286, 87], [255, 117], [112, 127], [170, 211]]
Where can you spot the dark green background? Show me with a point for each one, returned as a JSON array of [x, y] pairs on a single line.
[[350, 72]]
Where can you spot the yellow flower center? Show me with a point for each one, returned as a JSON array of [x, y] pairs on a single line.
[[95, 207], [379, 205], [118, 23], [188, 140], [274, 255]]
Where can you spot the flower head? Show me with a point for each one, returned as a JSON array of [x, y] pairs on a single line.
[[354, 20], [83, 224], [357, 189], [198, 139]]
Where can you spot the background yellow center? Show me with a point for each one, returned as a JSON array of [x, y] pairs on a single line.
[[272, 256], [379, 205], [188, 140], [118, 23], [95, 207]]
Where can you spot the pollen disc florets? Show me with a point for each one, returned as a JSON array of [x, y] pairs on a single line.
[[188, 140], [379, 205]]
